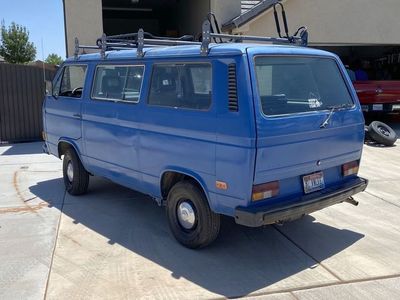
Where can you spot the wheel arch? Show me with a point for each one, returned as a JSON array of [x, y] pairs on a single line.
[[64, 144], [170, 176]]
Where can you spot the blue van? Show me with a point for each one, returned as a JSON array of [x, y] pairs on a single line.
[[260, 132]]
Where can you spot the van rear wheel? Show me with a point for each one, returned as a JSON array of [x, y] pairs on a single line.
[[190, 218], [76, 178]]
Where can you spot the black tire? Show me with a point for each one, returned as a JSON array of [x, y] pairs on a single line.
[[207, 223], [382, 133], [78, 184], [367, 137]]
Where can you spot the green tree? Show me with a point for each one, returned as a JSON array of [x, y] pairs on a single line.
[[14, 44], [54, 59]]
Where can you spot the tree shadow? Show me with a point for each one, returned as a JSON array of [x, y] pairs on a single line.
[[242, 260], [22, 149]]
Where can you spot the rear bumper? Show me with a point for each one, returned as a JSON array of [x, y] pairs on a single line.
[[255, 217]]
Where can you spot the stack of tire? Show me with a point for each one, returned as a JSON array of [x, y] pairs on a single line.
[[380, 133]]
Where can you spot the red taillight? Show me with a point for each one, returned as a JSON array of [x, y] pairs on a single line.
[[265, 191], [350, 168]]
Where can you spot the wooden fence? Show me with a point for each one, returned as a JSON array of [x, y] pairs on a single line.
[[22, 90]]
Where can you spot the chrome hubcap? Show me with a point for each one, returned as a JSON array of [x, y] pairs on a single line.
[[186, 215], [70, 172]]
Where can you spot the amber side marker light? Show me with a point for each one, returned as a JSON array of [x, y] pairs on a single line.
[[350, 168], [221, 185], [265, 191]]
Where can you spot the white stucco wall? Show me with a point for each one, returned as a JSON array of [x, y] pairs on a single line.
[[338, 22], [83, 20]]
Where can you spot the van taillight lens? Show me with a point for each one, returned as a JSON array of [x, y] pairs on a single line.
[[265, 191], [350, 168]]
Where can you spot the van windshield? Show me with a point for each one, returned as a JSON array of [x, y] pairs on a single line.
[[289, 85]]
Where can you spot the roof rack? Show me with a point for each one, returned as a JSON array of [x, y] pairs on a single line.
[[210, 31]]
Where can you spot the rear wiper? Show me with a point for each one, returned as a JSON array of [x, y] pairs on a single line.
[[333, 109]]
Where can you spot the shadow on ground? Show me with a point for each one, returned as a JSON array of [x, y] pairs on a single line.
[[241, 261], [23, 149]]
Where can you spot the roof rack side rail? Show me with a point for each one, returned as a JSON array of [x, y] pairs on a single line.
[[78, 47]]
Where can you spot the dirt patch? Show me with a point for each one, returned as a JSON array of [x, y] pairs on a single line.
[[21, 197], [23, 209]]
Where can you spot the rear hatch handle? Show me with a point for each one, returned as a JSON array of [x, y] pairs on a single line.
[[334, 109]]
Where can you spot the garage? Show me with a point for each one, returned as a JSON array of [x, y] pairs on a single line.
[[381, 63], [164, 18]]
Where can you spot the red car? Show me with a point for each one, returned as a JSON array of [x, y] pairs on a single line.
[[378, 96]]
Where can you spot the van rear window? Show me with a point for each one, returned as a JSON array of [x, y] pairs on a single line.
[[289, 85], [118, 83]]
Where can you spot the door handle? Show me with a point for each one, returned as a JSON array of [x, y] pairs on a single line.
[[78, 116]]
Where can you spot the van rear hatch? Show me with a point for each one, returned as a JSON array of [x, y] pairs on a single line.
[[309, 124]]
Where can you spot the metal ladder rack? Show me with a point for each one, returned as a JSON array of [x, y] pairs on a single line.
[[209, 32]]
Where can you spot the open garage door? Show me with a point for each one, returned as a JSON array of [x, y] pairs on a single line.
[[161, 17], [375, 72], [379, 62]]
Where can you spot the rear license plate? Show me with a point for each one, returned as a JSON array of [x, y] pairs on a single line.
[[313, 182]]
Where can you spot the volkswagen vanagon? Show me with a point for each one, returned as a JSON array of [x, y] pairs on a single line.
[[259, 132]]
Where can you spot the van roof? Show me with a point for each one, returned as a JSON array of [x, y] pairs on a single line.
[[222, 49]]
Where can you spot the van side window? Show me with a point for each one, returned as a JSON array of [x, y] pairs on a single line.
[[118, 83], [181, 85], [73, 80]]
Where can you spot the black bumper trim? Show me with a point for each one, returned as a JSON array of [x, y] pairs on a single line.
[[303, 206]]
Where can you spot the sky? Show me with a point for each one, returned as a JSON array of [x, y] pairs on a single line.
[[44, 19]]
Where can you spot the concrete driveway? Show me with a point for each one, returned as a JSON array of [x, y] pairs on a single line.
[[114, 243]]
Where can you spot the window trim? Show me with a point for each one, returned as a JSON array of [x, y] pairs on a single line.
[[84, 79], [111, 99], [175, 63], [306, 112], [57, 78]]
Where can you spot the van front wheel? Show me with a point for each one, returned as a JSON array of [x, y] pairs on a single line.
[[190, 218], [76, 178]]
